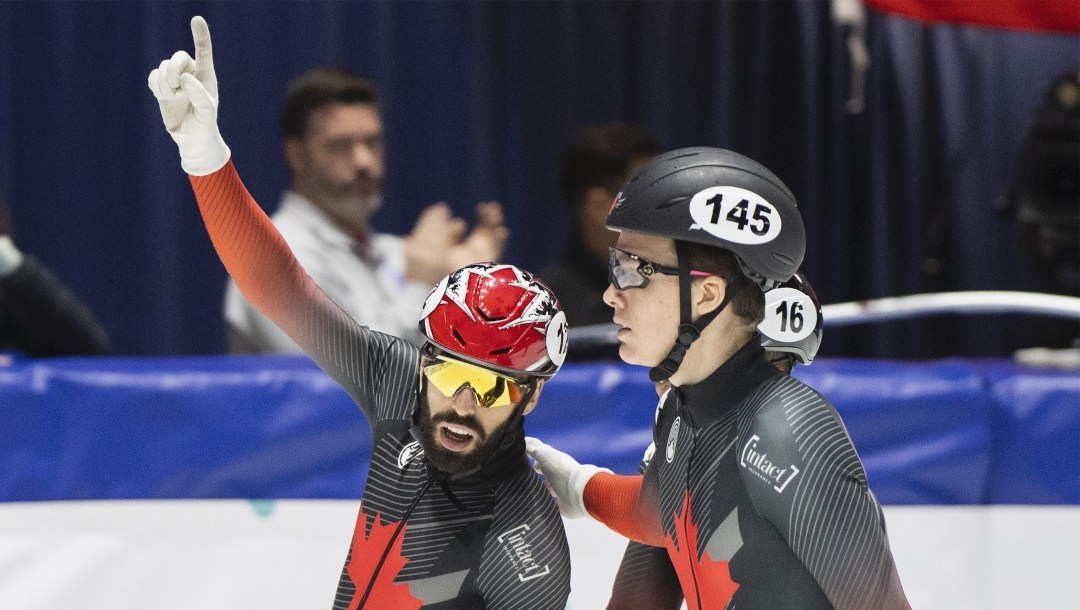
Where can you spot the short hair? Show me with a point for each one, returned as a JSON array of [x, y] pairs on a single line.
[[321, 87], [783, 361], [601, 155], [749, 302]]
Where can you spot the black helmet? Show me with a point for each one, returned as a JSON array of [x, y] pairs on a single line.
[[719, 198], [793, 320]]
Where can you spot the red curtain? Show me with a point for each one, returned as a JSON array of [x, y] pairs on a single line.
[[1030, 15]]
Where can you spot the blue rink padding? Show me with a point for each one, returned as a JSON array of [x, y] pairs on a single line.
[[941, 432], [1037, 422], [923, 430], [206, 427]]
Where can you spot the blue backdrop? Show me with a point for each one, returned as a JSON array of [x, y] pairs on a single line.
[[480, 98]]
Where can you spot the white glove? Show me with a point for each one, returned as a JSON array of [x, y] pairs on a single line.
[[187, 92], [565, 477]]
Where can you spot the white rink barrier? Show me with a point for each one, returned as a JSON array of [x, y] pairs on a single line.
[[938, 303], [897, 308], [287, 554]]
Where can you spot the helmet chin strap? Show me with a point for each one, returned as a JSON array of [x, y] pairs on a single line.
[[689, 330]]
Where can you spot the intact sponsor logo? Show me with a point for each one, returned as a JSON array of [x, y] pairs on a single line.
[[518, 549], [408, 452], [758, 463], [672, 439]]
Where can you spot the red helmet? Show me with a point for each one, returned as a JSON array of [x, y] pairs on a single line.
[[499, 317]]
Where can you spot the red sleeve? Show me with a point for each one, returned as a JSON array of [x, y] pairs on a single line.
[[377, 370], [617, 502], [253, 251]]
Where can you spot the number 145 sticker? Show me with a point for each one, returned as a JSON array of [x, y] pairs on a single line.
[[735, 214]]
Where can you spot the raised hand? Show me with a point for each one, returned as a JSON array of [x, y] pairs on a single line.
[[426, 248], [486, 241], [438, 245], [187, 93]]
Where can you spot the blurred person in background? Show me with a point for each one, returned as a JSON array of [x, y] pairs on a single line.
[[39, 316], [595, 164], [1044, 199], [333, 147]]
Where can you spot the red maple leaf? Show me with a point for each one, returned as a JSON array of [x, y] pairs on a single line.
[[706, 584], [364, 560]]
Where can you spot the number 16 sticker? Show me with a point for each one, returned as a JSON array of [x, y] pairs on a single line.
[[735, 214], [790, 315]]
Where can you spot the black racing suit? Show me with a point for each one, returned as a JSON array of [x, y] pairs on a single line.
[[491, 540], [39, 316], [759, 497], [646, 578]]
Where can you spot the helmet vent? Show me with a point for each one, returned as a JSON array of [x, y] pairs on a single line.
[[500, 351], [672, 202], [783, 258], [488, 318], [683, 156], [458, 336]]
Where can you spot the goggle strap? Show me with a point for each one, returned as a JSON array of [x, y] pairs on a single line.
[[684, 286]]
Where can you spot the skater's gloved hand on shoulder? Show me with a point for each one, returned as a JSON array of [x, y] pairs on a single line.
[[565, 477]]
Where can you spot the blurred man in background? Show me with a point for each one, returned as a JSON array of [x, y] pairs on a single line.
[[333, 145]]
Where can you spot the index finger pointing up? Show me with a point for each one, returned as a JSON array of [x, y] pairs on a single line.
[[204, 55]]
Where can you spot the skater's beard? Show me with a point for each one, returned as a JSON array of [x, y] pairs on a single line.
[[455, 462]]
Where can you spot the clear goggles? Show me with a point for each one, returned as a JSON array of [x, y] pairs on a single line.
[[627, 270], [492, 389]]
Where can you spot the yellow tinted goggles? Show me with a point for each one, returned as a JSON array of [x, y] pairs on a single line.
[[491, 389]]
